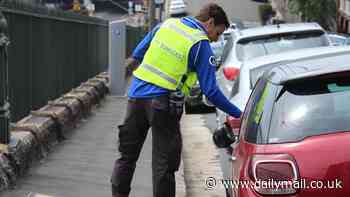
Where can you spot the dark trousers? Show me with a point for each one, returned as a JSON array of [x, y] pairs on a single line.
[[166, 145]]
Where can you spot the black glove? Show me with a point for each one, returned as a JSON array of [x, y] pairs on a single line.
[[223, 137]]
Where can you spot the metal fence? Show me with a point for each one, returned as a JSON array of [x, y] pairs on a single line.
[[50, 52], [4, 104]]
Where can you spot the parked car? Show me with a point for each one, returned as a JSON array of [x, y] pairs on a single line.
[[247, 77], [338, 39], [296, 128], [266, 41], [196, 101], [177, 8], [218, 46], [237, 23], [247, 44]]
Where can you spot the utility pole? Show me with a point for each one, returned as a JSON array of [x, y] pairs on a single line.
[[151, 15], [166, 8]]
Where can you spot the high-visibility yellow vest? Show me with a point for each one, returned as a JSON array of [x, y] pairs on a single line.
[[166, 60]]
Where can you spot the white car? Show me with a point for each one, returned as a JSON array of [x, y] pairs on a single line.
[[218, 46], [177, 8], [338, 39], [244, 45]]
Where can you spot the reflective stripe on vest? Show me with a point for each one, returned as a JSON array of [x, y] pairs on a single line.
[[160, 73], [184, 33]]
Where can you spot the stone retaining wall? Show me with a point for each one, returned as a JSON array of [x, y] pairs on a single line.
[[34, 136]]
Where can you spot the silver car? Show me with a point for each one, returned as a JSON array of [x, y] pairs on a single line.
[[247, 44], [196, 101], [338, 39], [218, 46]]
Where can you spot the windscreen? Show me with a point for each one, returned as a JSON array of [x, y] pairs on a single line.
[[337, 40], [277, 43], [311, 107]]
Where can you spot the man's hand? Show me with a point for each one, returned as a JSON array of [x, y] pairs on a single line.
[[131, 65]]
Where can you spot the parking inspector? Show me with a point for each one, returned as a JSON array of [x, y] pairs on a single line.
[[171, 57]]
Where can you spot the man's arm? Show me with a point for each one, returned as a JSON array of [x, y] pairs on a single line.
[[139, 52], [205, 67], [131, 64]]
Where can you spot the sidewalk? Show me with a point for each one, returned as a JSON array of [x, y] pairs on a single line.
[[200, 158], [81, 166]]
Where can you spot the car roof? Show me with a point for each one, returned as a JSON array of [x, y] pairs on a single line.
[[332, 62], [290, 56], [277, 29]]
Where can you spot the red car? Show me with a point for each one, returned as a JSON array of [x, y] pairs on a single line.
[[294, 137]]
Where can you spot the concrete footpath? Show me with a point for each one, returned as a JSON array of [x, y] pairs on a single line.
[[200, 159], [81, 165]]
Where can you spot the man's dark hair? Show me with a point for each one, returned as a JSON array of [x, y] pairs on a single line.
[[212, 10]]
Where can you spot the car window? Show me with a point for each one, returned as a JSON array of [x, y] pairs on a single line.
[[311, 107], [227, 48], [254, 127], [347, 41], [257, 124], [257, 90], [218, 47], [337, 40], [227, 36], [249, 48]]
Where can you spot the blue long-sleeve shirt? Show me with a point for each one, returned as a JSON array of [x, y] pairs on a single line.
[[200, 60]]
